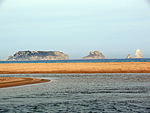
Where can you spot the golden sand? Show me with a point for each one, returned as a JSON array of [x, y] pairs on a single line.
[[18, 68], [14, 81], [115, 67]]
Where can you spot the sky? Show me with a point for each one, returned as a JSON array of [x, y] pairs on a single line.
[[114, 27]]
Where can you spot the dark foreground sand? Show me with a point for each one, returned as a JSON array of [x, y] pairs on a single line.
[[113, 67], [14, 81]]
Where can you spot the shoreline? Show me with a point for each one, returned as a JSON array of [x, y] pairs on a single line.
[[16, 81], [107, 67], [43, 68]]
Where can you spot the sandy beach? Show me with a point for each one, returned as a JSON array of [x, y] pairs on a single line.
[[14, 81], [113, 67], [29, 68]]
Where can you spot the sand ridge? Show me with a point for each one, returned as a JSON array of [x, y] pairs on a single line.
[[112, 67], [15, 81]]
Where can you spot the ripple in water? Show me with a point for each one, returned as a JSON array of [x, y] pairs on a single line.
[[79, 93]]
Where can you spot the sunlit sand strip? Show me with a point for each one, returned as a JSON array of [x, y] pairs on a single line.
[[112, 67], [14, 81]]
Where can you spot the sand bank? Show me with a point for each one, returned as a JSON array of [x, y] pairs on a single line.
[[14, 81], [113, 67]]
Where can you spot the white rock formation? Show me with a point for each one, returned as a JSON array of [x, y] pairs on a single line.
[[138, 54]]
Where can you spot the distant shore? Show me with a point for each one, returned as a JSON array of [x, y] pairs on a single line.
[[15, 81], [112, 67]]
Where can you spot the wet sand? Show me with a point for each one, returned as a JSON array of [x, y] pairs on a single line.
[[113, 67], [14, 81]]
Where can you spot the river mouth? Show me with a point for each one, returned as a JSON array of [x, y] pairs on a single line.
[[83, 93]]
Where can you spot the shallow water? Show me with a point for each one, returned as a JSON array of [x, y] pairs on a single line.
[[79, 93]]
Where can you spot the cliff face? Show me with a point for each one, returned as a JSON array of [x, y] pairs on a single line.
[[95, 55], [39, 55]]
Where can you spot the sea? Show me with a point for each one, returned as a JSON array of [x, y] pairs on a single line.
[[79, 93], [82, 60]]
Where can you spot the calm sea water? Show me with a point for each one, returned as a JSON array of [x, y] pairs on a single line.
[[82, 60], [79, 93]]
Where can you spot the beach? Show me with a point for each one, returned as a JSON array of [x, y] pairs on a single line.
[[15, 81], [39, 68], [112, 67]]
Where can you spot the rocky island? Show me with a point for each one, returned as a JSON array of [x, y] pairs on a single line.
[[94, 55], [38, 55], [138, 54]]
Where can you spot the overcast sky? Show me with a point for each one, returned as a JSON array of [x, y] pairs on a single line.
[[114, 27]]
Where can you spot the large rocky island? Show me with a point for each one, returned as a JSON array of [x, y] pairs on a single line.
[[94, 55], [38, 55]]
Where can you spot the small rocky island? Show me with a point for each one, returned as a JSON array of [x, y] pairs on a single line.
[[38, 55], [94, 55], [138, 54]]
